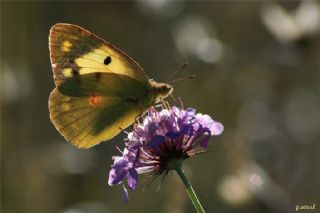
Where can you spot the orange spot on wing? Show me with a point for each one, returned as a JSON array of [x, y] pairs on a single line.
[[95, 100]]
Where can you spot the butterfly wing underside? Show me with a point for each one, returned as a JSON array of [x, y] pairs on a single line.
[[85, 125], [75, 51], [99, 89]]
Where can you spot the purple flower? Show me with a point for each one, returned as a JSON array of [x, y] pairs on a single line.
[[161, 143], [123, 167]]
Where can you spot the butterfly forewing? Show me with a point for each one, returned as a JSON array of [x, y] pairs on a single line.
[[76, 51]]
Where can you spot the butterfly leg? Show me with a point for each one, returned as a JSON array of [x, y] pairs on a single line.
[[165, 104]]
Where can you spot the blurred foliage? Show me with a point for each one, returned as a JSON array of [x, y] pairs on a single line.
[[257, 67]]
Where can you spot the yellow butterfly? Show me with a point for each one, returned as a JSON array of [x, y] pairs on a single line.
[[99, 89]]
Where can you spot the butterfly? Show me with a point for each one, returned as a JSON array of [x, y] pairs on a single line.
[[99, 90]]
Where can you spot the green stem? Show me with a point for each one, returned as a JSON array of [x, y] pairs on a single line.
[[190, 190]]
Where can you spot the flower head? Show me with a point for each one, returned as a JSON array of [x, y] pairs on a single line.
[[162, 142]]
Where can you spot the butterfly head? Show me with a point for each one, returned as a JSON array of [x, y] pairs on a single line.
[[161, 90]]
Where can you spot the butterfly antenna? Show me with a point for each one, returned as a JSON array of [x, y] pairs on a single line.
[[178, 70], [183, 78]]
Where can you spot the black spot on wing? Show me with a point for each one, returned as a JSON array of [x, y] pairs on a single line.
[[74, 72], [107, 60]]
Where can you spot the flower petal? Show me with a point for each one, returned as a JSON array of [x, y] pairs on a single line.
[[132, 179], [188, 129], [118, 172], [206, 121], [173, 135], [156, 141], [204, 142], [126, 194], [216, 128]]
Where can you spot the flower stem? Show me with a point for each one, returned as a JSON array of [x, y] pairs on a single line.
[[190, 190]]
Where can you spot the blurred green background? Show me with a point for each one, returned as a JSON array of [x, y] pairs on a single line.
[[258, 72]]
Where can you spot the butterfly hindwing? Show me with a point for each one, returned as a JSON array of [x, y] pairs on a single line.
[[76, 51], [91, 108]]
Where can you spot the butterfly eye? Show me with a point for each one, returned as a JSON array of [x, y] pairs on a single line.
[[74, 72], [107, 60]]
